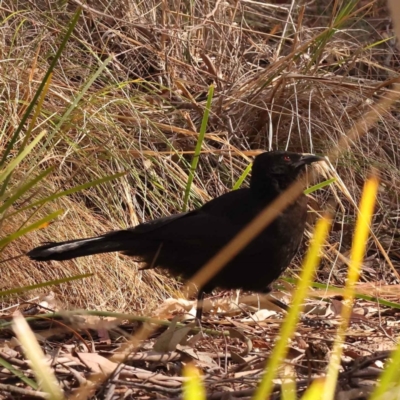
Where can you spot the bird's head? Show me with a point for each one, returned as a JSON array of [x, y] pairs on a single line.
[[278, 169]]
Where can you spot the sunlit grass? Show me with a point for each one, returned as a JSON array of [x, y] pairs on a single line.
[[40, 366], [357, 255], [289, 324], [101, 122], [388, 387], [325, 388], [193, 388]]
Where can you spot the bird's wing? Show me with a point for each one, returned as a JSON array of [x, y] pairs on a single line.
[[158, 223], [239, 207], [214, 224], [196, 227]]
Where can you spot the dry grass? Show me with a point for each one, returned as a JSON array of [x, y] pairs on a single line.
[[281, 81]]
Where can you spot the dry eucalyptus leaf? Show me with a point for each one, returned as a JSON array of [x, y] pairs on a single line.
[[169, 339]]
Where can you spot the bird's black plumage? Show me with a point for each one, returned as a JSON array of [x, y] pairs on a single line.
[[183, 243]]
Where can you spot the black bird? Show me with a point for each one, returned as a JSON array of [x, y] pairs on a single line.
[[183, 243]]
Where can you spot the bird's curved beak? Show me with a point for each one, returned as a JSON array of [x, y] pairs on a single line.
[[306, 159]]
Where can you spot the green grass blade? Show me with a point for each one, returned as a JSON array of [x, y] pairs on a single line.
[[71, 191], [29, 131], [14, 163], [41, 87], [357, 254], [37, 112], [345, 11], [32, 227], [43, 284], [280, 349], [389, 379], [123, 316], [199, 144], [378, 43], [21, 191], [18, 374], [319, 186], [242, 177], [41, 368], [362, 296], [314, 392], [309, 190], [322, 40], [288, 388], [193, 388], [79, 97]]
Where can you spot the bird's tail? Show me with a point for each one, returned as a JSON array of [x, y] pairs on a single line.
[[113, 241]]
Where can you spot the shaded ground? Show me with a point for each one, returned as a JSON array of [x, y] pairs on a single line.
[[231, 351]]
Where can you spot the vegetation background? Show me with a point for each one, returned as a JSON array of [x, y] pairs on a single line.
[[128, 94]]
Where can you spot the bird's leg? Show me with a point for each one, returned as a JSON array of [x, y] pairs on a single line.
[[153, 263], [307, 321], [199, 309], [279, 303]]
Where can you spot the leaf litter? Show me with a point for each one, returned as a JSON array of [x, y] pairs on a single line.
[[231, 356]]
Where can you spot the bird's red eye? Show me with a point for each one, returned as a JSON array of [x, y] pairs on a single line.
[[286, 158]]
